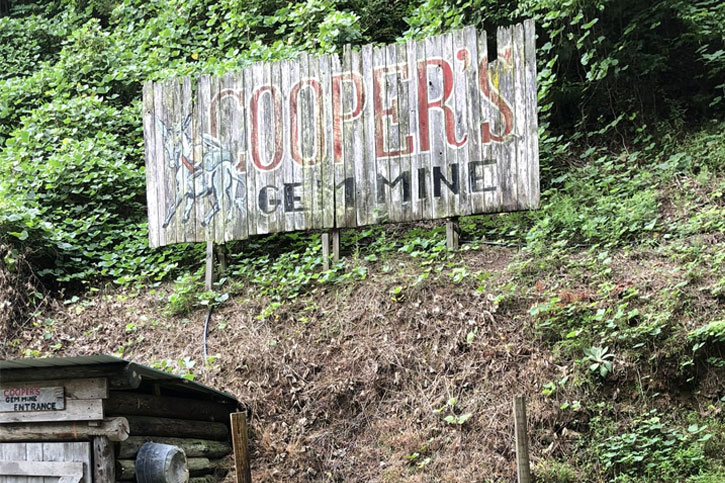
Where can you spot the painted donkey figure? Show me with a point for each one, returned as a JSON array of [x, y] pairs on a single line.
[[216, 174], [177, 145]]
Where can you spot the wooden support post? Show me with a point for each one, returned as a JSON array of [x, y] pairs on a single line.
[[452, 233], [209, 274], [104, 464], [522, 441], [221, 255], [325, 239], [241, 447], [335, 245]]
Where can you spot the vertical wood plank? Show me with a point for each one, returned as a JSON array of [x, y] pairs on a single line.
[[180, 170], [104, 462], [382, 193], [253, 139], [34, 452], [406, 138], [188, 162], [327, 159], [239, 160], [335, 245], [461, 66], [422, 164], [453, 231], [504, 83], [474, 174], [523, 178], [240, 442], [532, 126], [392, 128], [339, 131], [493, 199], [367, 198], [203, 183], [272, 78], [160, 158], [16, 452], [201, 113], [209, 268], [149, 134], [436, 129], [354, 99], [411, 113], [294, 172], [216, 175], [305, 140], [452, 172], [225, 113], [287, 171], [197, 162], [365, 170], [325, 242], [522, 441]]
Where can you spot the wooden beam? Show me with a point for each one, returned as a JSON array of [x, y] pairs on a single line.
[[193, 448], [240, 441], [181, 428], [120, 375], [104, 461], [123, 403], [453, 231], [209, 272], [522, 441], [115, 429], [75, 410], [91, 388], [126, 469], [42, 468], [335, 245], [325, 239]]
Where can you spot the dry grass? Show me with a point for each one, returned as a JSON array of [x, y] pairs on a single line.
[[343, 383]]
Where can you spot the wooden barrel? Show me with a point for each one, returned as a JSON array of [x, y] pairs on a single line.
[[161, 463]]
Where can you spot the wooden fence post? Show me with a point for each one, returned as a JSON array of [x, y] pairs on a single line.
[[221, 255], [209, 273], [240, 442], [452, 233], [104, 462], [325, 239], [336, 245], [522, 441]]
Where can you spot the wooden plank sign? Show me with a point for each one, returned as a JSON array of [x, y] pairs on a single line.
[[412, 131], [32, 399]]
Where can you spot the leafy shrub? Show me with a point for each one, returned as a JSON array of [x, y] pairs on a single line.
[[652, 449]]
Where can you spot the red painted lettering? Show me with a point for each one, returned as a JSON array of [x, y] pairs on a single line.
[[383, 112], [338, 113], [498, 102], [295, 128], [425, 104], [276, 106]]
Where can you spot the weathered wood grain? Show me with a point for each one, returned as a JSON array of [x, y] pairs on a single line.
[[149, 133], [92, 388], [116, 429], [532, 125], [75, 410], [411, 131]]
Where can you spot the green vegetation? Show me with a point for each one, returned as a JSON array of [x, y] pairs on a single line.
[[620, 274]]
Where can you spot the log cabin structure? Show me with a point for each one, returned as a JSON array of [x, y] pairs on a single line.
[[85, 419]]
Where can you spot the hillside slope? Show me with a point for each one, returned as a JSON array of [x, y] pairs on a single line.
[[350, 374]]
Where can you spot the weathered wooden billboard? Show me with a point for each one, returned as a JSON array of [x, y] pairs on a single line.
[[411, 131]]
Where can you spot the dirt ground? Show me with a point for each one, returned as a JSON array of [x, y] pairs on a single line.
[[346, 383]]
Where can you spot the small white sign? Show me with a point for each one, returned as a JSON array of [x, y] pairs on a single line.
[[32, 399]]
